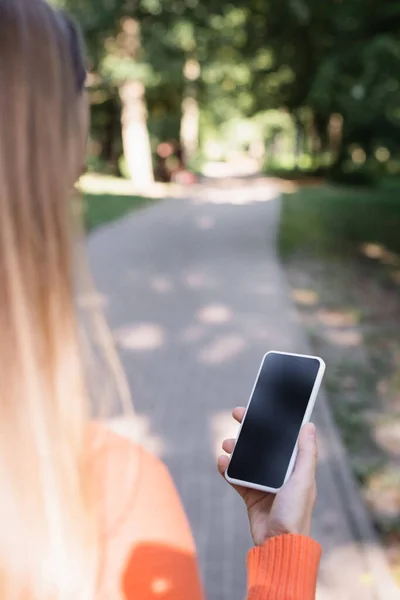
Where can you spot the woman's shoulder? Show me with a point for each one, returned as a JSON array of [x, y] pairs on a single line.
[[122, 471], [117, 457], [137, 499]]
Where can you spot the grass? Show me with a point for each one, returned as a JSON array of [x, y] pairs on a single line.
[[100, 209], [338, 221], [106, 199], [341, 248]]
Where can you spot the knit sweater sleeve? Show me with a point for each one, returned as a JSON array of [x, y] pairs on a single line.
[[284, 568]]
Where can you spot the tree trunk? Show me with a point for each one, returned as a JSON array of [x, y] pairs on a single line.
[[189, 128], [111, 129], [190, 111], [315, 140], [135, 135], [299, 139], [335, 135]]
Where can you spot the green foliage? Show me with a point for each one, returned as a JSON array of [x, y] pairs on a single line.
[[100, 209], [340, 221], [313, 59]]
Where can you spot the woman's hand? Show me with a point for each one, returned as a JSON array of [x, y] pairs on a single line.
[[289, 511]]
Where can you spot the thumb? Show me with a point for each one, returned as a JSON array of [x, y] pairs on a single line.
[[306, 462]]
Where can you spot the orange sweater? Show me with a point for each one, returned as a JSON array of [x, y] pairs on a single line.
[[148, 551]]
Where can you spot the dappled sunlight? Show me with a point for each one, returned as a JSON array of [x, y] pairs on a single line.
[[239, 196], [379, 252], [141, 336], [205, 223], [214, 281], [240, 167], [305, 297], [222, 426], [161, 284], [358, 156], [214, 97], [390, 258], [215, 314], [223, 349], [97, 184], [196, 280], [348, 339], [288, 187], [337, 319], [137, 429], [383, 493], [375, 251], [342, 558], [387, 436], [355, 327], [382, 154], [192, 334]]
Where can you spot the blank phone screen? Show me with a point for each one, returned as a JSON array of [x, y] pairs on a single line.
[[272, 424]]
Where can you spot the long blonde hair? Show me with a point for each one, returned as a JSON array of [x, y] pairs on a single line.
[[48, 540]]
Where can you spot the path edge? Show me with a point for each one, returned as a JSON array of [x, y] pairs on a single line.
[[354, 505]]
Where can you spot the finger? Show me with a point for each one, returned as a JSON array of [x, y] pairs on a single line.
[[228, 445], [306, 463], [223, 463], [238, 413]]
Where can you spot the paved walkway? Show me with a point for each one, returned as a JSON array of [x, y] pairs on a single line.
[[196, 295]]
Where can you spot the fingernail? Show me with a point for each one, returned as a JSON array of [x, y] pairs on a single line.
[[311, 430]]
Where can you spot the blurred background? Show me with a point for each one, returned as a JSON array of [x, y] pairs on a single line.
[[298, 87], [303, 92]]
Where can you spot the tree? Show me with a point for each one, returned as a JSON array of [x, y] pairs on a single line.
[[113, 39], [122, 65], [360, 80], [332, 66]]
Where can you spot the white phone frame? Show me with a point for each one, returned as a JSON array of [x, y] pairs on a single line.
[[306, 419]]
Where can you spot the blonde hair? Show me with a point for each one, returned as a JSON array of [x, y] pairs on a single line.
[[48, 538]]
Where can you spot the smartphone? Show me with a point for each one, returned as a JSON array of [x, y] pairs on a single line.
[[281, 402]]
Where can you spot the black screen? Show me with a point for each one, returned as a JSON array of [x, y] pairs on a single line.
[[269, 433]]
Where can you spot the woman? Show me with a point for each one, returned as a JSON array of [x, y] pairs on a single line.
[[84, 513]]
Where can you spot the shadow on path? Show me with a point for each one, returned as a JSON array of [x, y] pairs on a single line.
[[195, 296]]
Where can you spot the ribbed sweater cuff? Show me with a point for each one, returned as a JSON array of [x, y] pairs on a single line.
[[284, 568]]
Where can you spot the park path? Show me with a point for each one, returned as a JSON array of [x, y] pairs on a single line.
[[195, 295]]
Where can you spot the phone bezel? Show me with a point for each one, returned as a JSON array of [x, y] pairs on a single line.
[[306, 419]]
